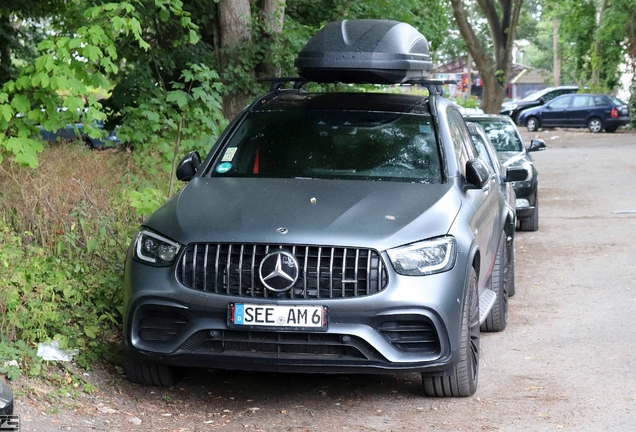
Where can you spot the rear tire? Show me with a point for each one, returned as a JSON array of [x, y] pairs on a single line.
[[498, 316], [152, 374], [531, 223], [532, 123], [463, 379], [595, 125], [611, 129]]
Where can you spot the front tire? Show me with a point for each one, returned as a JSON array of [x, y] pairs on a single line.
[[595, 125], [532, 123], [152, 374], [463, 379], [498, 317]]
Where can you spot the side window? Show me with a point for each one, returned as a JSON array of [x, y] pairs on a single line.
[[551, 95], [580, 101], [462, 143], [599, 101], [560, 103]]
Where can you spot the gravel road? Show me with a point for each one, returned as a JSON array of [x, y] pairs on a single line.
[[566, 360]]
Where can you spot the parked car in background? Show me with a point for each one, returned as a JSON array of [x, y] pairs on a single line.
[[512, 153], [504, 177], [593, 111], [328, 232], [538, 98], [76, 131]]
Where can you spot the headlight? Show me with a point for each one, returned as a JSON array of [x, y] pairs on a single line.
[[424, 258], [155, 249], [511, 107]]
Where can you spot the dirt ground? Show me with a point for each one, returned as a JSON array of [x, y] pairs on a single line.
[[566, 360]]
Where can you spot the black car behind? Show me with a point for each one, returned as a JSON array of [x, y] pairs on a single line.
[[538, 98], [512, 153]]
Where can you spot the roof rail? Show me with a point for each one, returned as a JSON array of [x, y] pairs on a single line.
[[277, 82], [435, 87]]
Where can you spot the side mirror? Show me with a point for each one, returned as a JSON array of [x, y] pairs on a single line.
[[537, 145], [542, 100], [516, 174], [188, 166], [477, 174]]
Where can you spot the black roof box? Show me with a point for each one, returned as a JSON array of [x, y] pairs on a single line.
[[365, 51]]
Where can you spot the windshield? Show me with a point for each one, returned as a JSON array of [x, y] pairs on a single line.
[[502, 134], [537, 94], [333, 145]]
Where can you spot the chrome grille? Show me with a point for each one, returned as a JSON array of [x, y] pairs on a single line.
[[324, 272]]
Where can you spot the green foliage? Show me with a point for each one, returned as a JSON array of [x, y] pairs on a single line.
[[69, 295], [592, 41], [169, 122], [146, 201], [469, 102], [54, 90], [64, 230]]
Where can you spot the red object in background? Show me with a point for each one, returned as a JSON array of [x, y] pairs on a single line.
[[257, 161]]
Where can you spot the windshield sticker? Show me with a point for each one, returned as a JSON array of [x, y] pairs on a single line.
[[229, 154], [224, 167]]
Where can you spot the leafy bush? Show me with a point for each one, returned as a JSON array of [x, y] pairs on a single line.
[[64, 229]]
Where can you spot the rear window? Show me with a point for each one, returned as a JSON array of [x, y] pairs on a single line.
[[617, 101], [329, 144]]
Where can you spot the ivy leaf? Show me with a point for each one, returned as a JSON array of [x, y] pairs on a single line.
[[6, 112], [20, 103], [25, 150], [193, 37], [92, 53], [179, 97], [91, 331]]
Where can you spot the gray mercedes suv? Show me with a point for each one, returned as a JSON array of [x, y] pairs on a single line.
[[326, 232]]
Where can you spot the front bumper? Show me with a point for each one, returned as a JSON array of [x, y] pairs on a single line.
[[525, 191], [412, 325]]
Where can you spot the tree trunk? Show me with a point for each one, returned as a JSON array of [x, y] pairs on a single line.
[[234, 31], [495, 73], [5, 50], [597, 55], [271, 16], [556, 67]]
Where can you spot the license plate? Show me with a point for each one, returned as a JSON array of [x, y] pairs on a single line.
[[278, 316]]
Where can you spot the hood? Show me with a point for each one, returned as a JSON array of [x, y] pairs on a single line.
[[370, 214], [513, 159], [519, 103]]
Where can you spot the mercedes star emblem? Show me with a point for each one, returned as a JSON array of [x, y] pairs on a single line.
[[279, 271]]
